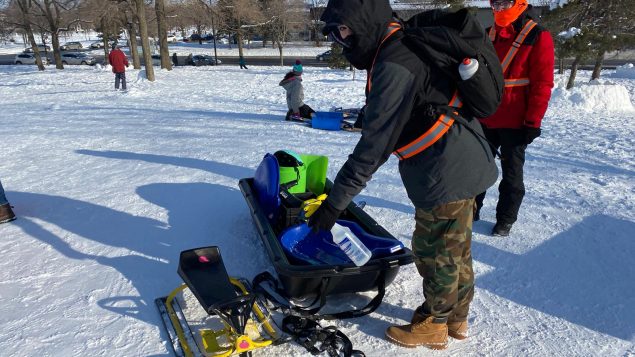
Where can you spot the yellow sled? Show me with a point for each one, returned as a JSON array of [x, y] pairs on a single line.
[[246, 324]]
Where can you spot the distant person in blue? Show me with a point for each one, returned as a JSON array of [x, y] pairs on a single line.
[[241, 62], [292, 84], [6, 213]]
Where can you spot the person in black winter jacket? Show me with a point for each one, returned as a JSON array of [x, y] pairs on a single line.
[[441, 180]]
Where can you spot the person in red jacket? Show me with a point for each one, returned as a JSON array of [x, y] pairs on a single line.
[[119, 62], [528, 71]]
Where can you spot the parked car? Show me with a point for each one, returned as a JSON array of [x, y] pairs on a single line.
[[41, 47], [100, 44], [71, 46], [324, 56], [203, 60], [172, 38], [29, 58], [78, 58], [156, 60]]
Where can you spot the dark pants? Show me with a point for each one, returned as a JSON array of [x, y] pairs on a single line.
[[120, 76], [512, 188], [305, 112]]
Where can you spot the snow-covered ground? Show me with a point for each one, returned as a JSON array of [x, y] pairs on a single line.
[[109, 187]]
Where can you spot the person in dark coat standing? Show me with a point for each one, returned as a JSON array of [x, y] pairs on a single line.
[[175, 59], [516, 123], [441, 181], [119, 62]]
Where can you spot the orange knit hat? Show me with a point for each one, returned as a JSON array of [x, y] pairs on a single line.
[[504, 18]]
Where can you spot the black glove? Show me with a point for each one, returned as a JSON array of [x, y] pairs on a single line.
[[531, 134], [324, 218]]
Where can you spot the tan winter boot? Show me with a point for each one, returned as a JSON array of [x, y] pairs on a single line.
[[426, 333], [6, 213], [457, 329]]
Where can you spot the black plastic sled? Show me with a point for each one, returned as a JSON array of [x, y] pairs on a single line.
[[305, 282]]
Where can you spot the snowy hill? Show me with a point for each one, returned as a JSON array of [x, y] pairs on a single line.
[[109, 187]]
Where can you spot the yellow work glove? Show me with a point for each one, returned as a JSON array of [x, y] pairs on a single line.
[[311, 205]]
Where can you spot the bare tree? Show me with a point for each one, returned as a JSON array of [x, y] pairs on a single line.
[[24, 8], [281, 16], [140, 14], [237, 16], [55, 12], [131, 26], [159, 7], [316, 8], [108, 17]]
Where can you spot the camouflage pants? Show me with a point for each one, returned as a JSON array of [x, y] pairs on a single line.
[[441, 244]]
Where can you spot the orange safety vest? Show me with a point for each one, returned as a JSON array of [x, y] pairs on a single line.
[[513, 50]]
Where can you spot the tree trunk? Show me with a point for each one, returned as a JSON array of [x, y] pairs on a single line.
[[55, 42], [36, 50], [24, 10], [104, 40], [560, 65], [280, 52], [574, 71], [159, 8], [145, 42], [53, 22], [239, 38], [599, 60], [132, 31]]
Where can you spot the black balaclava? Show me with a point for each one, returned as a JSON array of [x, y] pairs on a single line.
[[368, 19]]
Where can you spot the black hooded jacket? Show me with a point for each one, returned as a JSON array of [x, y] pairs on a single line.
[[403, 88]]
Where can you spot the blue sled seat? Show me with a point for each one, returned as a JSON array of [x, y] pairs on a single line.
[[304, 246]]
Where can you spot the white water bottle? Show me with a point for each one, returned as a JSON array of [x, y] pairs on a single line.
[[467, 68], [350, 244]]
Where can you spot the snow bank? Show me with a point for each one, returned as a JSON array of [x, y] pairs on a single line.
[[595, 96], [626, 71]]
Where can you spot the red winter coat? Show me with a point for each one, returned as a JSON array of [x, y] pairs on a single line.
[[118, 61], [526, 105]]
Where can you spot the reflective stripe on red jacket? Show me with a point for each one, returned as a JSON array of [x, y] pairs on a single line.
[[524, 104], [118, 61]]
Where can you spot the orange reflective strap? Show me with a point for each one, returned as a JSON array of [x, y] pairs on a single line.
[[438, 129], [513, 50], [392, 28], [518, 82]]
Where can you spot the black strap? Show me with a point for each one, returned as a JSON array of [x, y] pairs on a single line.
[[278, 298], [317, 339]]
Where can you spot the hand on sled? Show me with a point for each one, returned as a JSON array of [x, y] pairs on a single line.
[[324, 217]]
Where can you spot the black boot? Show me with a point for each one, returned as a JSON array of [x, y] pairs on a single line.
[[501, 229], [6, 213]]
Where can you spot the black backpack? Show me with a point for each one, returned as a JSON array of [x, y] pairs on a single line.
[[444, 39]]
